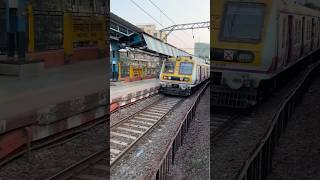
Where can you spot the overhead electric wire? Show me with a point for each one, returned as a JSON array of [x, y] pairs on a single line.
[[146, 12], [174, 23], [153, 18], [170, 19]]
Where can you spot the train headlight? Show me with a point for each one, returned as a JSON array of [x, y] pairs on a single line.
[[186, 79], [245, 57], [183, 86], [181, 79], [169, 77], [165, 77], [234, 81]]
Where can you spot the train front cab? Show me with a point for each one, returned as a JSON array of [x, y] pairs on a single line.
[[177, 76], [237, 43]]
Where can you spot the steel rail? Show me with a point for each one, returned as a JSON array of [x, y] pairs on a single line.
[[222, 126], [132, 143], [55, 140], [176, 141], [75, 169]]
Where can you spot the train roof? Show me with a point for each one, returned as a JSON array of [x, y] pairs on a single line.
[[284, 5], [194, 58], [296, 8]]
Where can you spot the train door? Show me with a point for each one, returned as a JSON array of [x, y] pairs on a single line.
[[303, 36], [318, 33], [290, 37], [282, 43], [312, 35], [198, 74]]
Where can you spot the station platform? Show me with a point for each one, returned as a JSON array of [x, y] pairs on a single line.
[[123, 93], [58, 99]]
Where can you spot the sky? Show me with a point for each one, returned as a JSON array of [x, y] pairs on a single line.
[[180, 11]]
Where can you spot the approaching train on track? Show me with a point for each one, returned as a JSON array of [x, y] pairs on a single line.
[[254, 43], [182, 75]]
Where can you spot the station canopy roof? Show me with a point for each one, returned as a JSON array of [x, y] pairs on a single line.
[[120, 27], [164, 48], [161, 47]]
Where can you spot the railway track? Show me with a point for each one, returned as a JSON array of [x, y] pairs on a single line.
[[221, 122], [128, 131], [95, 166], [123, 135]]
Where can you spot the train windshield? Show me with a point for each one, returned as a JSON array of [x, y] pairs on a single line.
[[168, 67], [186, 68], [243, 22]]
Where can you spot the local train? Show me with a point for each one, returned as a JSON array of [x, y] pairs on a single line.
[[182, 75], [254, 43]]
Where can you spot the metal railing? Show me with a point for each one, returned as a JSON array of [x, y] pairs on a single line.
[[48, 29], [259, 163], [124, 71], [168, 157]]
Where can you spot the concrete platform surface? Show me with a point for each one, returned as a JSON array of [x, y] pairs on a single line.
[[53, 85], [20, 97], [122, 93], [55, 101]]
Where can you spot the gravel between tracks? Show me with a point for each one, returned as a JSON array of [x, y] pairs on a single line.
[[234, 147], [132, 109], [298, 154], [146, 154], [192, 159], [49, 161]]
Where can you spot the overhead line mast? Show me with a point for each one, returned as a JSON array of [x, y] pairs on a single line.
[[177, 27]]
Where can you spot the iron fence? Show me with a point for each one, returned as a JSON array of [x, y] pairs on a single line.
[[259, 164], [177, 141], [48, 29], [125, 71]]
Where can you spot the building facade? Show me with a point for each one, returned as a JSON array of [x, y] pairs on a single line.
[[202, 50], [151, 29]]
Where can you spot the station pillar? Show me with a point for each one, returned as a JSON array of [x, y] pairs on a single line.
[[16, 28]]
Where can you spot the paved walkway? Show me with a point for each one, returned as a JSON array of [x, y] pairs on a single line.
[[120, 89]]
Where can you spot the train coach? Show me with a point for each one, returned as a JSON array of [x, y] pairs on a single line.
[[182, 75], [254, 43]]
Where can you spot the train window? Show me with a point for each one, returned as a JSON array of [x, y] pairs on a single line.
[[186, 68], [168, 67], [243, 22]]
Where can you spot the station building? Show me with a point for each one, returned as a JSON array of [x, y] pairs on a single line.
[[53, 31], [136, 54]]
